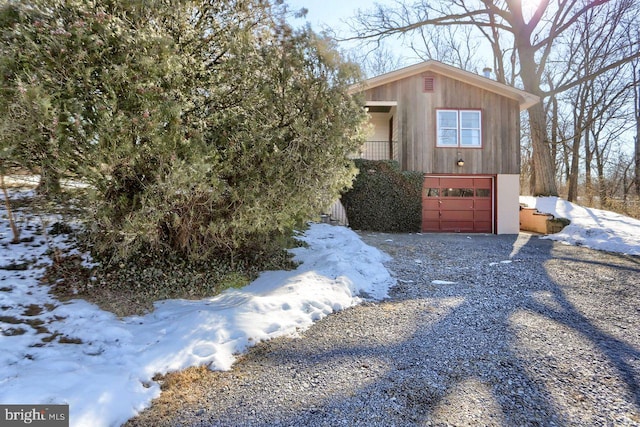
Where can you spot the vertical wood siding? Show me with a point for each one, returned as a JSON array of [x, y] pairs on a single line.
[[415, 124]]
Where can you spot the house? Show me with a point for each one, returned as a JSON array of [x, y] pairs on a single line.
[[463, 131]]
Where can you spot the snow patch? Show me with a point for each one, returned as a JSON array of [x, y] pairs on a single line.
[[592, 228], [105, 374]]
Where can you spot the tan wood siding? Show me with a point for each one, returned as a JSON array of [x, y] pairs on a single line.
[[416, 126]]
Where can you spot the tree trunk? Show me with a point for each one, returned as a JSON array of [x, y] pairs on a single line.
[[543, 177], [588, 182], [544, 183], [565, 160], [588, 158], [7, 204], [637, 116], [637, 157], [637, 160], [602, 184], [602, 189], [554, 129], [625, 188], [49, 184], [572, 194]]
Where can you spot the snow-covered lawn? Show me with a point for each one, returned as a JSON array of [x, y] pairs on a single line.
[[593, 228], [103, 366]]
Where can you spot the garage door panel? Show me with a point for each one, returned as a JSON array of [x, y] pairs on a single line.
[[457, 226], [482, 216], [430, 215], [457, 204], [482, 204], [431, 182], [482, 227], [430, 204], [482, 182], [430, 225], [456, 182], [457, 215]]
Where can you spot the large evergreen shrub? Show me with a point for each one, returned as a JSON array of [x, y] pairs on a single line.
[[206, 128], [383, 198]]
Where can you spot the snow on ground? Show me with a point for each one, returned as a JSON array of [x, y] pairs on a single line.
[[105, 371], [103, 366], [593, 228]]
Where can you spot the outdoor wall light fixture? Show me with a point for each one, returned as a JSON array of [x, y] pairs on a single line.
[[460, 162]]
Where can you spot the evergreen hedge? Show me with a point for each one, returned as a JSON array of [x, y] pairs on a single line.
[[206, 130], [383, 198]]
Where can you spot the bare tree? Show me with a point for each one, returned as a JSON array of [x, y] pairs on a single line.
[[603, 102], [623, 175], [379, 60], [561, 118], [522, 41], [605, 133], [451, 45], [635, 79], [525, 156]]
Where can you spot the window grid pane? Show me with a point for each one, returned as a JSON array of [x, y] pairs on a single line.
[[459, 128], [470, 119], [447, 128], [433, 192], [457, 192], [470, 130], [448, 137], [470, 138], [448, 119]]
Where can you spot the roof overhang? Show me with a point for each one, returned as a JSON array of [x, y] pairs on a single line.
[[380, 106], [525, 99], [381, 103]]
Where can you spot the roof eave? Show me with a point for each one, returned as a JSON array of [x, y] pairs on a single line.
[[525, 99]]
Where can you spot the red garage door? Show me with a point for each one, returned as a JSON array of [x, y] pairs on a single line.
[[457, 204]]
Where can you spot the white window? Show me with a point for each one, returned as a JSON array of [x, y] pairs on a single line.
[[459, 128]]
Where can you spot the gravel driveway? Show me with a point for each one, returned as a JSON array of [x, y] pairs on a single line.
[[480, 330]]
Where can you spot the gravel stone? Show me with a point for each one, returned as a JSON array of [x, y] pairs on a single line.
[[479, 330]]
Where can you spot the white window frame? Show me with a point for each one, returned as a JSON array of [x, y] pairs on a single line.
[[459, 140]]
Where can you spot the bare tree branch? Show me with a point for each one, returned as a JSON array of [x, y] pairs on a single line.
[[592, 76], [537, 34]]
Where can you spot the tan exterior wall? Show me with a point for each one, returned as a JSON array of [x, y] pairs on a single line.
[[380, 131], [415, 129], [376, 146], [415, 120], [508, 204]]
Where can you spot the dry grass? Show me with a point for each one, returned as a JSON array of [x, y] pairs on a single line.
[[184, 387], [180, 390], [187, 390]]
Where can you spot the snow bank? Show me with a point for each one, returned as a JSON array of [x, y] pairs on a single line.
[[106, 377], [592, 228]]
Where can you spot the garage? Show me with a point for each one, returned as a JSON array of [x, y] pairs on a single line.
[[459, 204]]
